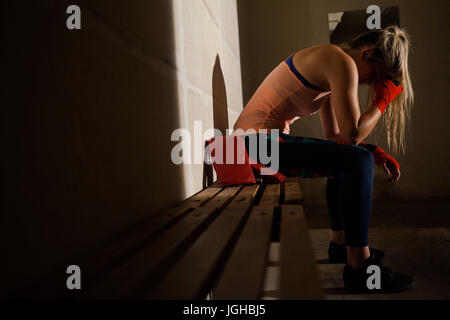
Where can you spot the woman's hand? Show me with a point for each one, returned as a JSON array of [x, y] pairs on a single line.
[[382, 159], [386, 90], [390, 169]]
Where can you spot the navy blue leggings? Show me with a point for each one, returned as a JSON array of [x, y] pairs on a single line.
[[350, 172]]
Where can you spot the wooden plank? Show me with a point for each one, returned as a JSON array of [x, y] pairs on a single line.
[[292, 192], [114, 252], [299, 277], [193, 275], [107, 255], [216, 184], [271, 196], [149, 262], [243, 275], [199, 198]]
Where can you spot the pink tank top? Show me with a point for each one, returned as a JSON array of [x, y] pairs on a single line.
[[280, 100]]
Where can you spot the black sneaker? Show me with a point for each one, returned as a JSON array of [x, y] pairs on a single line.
[[390, 281], [338, 254]]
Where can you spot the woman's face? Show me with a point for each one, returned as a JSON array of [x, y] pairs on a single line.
[[369, 71]]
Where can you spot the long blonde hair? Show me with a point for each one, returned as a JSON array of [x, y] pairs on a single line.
[[392, 48]]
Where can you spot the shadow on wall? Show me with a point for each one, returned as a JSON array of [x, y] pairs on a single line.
[[89, 115], [220, 113], [220, 105]]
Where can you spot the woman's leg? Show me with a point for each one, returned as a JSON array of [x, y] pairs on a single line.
[[353, 166], [356, 230], [333, 195]]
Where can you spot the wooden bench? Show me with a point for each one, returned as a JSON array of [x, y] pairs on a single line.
[[214, 244]]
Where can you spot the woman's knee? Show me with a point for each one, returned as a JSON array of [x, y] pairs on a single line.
[[361, 158], [365, 156]]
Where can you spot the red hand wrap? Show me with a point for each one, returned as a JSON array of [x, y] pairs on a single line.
[[385, 91], [381, 157]]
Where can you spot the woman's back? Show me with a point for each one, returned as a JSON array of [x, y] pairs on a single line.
[[287, 93]]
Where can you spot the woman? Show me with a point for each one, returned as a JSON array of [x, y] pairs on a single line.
[[325, 79]]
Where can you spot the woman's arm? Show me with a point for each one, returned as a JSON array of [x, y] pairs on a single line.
[[328, 120], [331, 131], [343, 80], [329, 123]]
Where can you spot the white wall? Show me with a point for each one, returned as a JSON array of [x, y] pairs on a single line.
[[203, 30]]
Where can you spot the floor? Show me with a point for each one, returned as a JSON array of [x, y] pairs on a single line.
[[415, 234]]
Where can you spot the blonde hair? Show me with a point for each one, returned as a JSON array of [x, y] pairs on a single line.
[[391, 48]]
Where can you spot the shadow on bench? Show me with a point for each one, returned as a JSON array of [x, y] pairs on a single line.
[[215, 245]]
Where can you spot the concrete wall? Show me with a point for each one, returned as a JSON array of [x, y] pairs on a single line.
[[206, 32], [271, 30], [88, 115]]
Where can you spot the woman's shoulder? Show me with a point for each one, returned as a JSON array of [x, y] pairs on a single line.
[[325, 57], [325, 52]]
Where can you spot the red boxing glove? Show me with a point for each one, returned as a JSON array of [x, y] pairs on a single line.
[[385, 91], [381, 157]]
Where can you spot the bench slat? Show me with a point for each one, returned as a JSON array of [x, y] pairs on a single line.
[[111, 253], [114, 252], [292, 192], [192, 276], [128, 276], [299, 277], [243, 275], [271, 196]]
